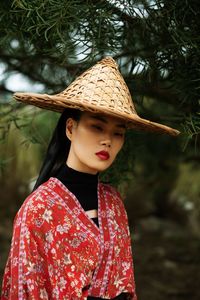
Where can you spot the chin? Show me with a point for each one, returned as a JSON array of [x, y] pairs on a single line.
[[102, 168]]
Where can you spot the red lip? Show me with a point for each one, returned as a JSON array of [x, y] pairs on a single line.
[[103, 155]]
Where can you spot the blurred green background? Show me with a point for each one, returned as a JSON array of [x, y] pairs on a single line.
[[44, 45]]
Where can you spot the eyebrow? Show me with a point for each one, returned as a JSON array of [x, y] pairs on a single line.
[[102, 119]]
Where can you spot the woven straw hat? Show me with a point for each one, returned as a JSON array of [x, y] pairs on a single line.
[[100, 89]]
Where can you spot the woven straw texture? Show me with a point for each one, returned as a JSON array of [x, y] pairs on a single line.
[[100, 89]]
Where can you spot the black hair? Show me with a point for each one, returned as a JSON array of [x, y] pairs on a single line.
[[58, 148]]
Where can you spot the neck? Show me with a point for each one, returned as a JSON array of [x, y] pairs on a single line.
[[80, 168]]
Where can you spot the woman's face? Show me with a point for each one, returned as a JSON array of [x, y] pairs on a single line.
[[96, 140]]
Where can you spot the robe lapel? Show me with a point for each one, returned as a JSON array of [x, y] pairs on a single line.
[[74, 207], [100, 277]]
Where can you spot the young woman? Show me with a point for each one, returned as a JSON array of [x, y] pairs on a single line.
[[71, 238]]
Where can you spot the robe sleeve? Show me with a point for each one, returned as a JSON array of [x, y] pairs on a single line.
[[25, 273], [38, 266]]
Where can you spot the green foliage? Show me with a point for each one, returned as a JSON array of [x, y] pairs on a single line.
[[156, 44]]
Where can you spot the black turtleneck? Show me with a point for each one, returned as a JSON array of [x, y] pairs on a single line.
[[82, 185]]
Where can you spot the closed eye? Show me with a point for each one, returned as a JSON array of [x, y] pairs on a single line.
[[119, 134], [97, 127]]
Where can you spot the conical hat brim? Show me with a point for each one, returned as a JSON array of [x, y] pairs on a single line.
[[58, 103]]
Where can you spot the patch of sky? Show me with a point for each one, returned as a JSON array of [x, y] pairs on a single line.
[[19, 83], [14, 44], [135, 9], [2, 71], [140, 66]]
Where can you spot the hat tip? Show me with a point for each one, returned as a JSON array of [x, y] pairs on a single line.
[[109, 61]]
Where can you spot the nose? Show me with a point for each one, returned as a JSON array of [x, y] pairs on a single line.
[[106, 142]]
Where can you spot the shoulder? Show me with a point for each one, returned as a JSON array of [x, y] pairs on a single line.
[[39, 196], [112, 191], [39, 205], [115, 202]]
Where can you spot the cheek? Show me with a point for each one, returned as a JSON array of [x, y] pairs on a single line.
[[119, 145], [83, 141]]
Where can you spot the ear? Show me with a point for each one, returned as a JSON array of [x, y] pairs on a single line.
[[70, 125]]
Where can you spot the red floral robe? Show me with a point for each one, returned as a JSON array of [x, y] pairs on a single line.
[[58, 252]]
